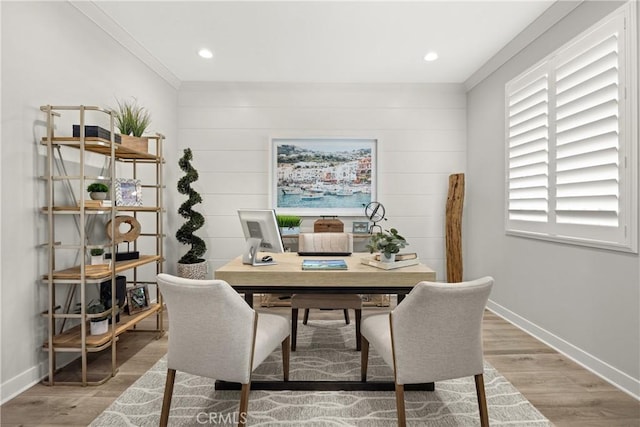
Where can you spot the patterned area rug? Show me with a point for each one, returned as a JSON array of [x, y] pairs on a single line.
[[326, 350]]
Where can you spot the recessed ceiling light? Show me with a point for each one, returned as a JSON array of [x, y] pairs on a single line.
[[431, 56], [205, 53]]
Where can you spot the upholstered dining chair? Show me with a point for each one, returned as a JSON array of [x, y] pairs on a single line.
[[434, 334], [321, 243], [214, 333]]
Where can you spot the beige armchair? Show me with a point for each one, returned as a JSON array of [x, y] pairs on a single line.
[[325, 242], [434, 334], [214, 333]]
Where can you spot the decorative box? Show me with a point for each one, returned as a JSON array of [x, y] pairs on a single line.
[[94, 131], [328, 225]]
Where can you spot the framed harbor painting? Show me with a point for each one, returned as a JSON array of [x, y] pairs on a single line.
[[322, 176]]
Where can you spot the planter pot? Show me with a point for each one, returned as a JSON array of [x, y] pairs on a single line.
[[387, 257], [196, 271], [97, 259], [289, 231], [100, 327], [137, 143], [98, 195]]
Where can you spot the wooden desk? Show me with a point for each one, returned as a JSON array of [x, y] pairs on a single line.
[[287, 276]]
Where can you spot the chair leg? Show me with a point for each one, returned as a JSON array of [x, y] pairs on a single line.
[[305, 319], [346, 316], [285, 357], [244, 404], [482, 401], [294, 328], [364, 360], [166, 401], [358, 334], [402, 418]]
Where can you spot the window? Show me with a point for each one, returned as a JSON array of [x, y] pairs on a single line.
[[571, 140]]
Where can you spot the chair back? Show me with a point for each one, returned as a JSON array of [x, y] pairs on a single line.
[[325, 242], [211, 328], [437, 331]]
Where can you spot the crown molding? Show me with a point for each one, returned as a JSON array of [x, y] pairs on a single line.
[[548, 19], [92, 11]]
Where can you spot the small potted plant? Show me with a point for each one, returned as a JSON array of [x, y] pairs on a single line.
[[98, 325], [132, 121], [388, 243], [131, 118], [97, 256], [289, 224], [98, 191]]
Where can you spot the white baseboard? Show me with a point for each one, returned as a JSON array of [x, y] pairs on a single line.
[[16, 385], [32, 376], [600, 368]]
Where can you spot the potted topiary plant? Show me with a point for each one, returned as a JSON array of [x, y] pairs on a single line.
[[191, 265], [132, 120], [98, 191], [289, 224], [388, 243]]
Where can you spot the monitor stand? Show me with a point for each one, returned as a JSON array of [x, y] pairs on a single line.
[[251, 252]]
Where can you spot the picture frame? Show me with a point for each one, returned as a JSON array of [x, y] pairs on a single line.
[[360, 227], [137, 299], [322, 176], [128, 192]]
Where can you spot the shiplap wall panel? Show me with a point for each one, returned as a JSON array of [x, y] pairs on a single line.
[[231, 182], [421, 161], [415, 182], [316, 118], [228, 204], [452, 140], [421, 133], [227, 161]]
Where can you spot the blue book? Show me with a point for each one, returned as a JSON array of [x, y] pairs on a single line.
[[324, 264]]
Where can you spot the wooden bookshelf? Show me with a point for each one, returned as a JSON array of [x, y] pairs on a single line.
[[72, 338], [102, 271]]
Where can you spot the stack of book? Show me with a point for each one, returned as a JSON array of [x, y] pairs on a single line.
[[97, 203], [402, 260], [402, 256]]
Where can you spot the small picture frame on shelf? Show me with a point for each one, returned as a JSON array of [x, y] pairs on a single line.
[[360, 227], [128, 192], [137, 299]]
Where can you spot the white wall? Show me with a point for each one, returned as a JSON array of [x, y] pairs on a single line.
[[585, 302], [421, 133], [51, 54]]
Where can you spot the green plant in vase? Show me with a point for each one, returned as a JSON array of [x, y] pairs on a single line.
[[289, 224], [98, 191], [388, 243], [131, 119], [98, 325]]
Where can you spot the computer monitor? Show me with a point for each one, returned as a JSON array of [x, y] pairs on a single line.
[[261, 230]]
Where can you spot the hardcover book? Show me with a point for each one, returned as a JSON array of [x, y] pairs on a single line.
[[388, 265], [324, 264]]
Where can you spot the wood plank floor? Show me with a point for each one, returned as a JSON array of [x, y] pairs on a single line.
[[563, 391]]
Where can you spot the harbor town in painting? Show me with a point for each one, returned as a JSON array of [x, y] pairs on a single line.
[[327, 174]]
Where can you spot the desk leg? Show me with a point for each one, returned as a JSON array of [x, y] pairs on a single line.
[[248, 297]]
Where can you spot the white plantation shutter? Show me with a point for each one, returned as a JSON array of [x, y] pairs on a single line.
[[587, 133], [528, 148], [571, 131]]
